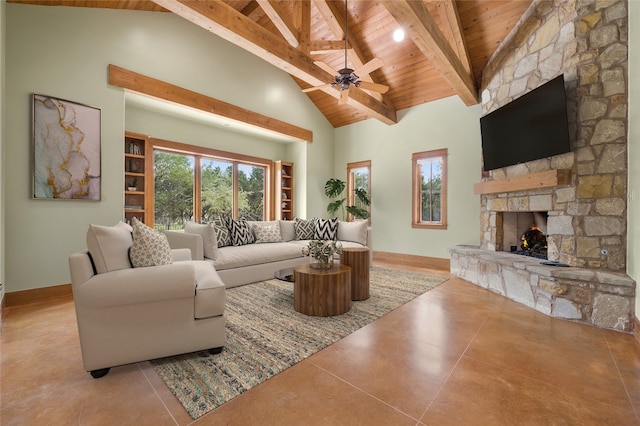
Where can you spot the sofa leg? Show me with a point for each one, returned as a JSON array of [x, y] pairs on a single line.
[[96, 374], [215, 351]]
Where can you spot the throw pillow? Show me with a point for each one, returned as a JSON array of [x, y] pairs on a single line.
[[303, 228], [208, 234], [241, 233], [109, 246], [267, 233], [287, 230], [325, 229], [222, 231], [150, 247], [355, 231]]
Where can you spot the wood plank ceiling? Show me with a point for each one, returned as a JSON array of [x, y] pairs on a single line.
[[447, 43]]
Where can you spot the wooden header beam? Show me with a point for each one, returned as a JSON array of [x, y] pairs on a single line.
[[538, 180], [158, 89]]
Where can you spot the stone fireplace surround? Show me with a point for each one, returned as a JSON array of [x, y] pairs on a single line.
[[584, 191]]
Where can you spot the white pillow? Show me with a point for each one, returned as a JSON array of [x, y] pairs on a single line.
[[208, 234], [266, 232], [150, 247], [109, 246], [353, 231], [287, 230]]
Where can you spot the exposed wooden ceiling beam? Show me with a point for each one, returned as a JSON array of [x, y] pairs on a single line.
[[224, 21], [274, 12], [421, 27], [335, 26], [302, 22], [142, 84], [453, 26], [327, 46]]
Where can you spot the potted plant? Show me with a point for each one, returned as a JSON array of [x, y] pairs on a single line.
[[134, 184], [334, 188]]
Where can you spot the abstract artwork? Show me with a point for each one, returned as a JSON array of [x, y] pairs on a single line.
[[66, 150]]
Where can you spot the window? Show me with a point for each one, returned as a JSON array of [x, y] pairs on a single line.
[[430, 189], [358, 177], [195, 183]]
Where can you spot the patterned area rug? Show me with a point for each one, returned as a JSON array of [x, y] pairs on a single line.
[[265, 336]]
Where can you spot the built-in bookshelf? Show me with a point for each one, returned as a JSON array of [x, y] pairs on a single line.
[[135, 205], [284, 190]]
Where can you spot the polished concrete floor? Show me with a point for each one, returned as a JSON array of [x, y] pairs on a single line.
[[457, 355]]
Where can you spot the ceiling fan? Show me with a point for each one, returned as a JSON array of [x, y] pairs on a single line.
[[347, 76]]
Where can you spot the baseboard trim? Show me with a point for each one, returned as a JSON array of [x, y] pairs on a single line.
[[412, 260], [26, 297]]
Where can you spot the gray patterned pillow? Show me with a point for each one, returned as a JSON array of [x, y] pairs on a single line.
[[222, 231], [267, 233], [240, 232], [150, 247], [304, 229]]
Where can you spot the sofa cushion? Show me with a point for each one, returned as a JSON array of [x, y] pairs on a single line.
[[109, 246], [150, 247], [287, 230], [256, 254], [241, 233], [266, 232], [325, 229], [208, 234], [303, 228], [223, 236], [353, 231]]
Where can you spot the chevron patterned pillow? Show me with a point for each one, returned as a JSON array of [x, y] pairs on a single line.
[[325, 229], [303, 228], [241, 233]]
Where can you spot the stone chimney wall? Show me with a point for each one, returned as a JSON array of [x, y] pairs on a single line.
[[586, 40]]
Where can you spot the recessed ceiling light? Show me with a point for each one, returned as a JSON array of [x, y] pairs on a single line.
[[398, 35]]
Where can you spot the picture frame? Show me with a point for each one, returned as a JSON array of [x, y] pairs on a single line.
[[66, 150]]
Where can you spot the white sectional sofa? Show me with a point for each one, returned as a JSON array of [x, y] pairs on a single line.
[[259, 261]]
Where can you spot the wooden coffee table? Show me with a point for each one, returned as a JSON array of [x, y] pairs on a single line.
[[322, 292], [357, 258]]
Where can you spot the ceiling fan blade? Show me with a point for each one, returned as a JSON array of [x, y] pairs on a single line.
[[325, 67], [311, 89], [372, 65], [380, 88], [344, 97]]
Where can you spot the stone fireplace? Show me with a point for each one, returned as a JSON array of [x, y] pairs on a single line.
[[583, 193]]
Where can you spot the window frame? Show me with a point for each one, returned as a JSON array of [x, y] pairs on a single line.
[[416, 197], [199, 153], [351, 183]]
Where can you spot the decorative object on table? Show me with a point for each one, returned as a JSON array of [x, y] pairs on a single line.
[[321, 253], [333, 188], [66, 150], [265, 336]]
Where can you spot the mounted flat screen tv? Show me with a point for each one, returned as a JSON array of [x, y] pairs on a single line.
[[531, 127]]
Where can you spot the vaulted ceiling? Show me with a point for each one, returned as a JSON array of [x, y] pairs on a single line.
[[447, 44]]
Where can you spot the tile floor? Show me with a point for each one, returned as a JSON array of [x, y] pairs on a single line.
[[457, 355]]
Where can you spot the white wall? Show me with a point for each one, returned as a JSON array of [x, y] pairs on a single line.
[[633, 220], [64, 52], [447, 123], [2, 139]]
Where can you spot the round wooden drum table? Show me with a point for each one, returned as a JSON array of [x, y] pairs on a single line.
[[357, 258], [322, 292]]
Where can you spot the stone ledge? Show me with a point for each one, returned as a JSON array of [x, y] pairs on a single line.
[[595, 297]]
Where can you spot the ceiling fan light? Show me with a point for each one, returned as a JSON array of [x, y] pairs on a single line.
[[398, 35]]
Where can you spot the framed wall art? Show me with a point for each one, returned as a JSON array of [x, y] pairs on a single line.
[[66, 150]]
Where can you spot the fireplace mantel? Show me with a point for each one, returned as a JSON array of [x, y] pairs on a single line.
[[530, 181]]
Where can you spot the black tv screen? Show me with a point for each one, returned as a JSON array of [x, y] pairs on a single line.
[[528, 128]]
